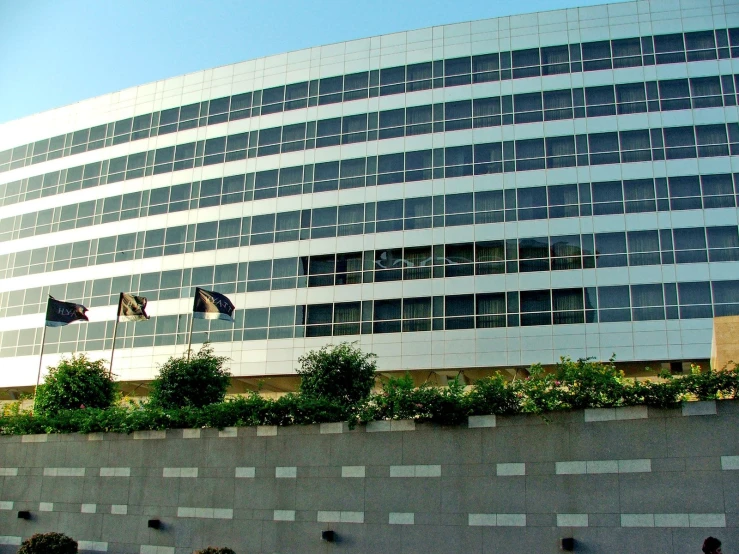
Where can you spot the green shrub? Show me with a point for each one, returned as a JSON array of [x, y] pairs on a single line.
[[76, 383], [48, 543], [214, 550], [197, 382], [339, 372], [493, 395]]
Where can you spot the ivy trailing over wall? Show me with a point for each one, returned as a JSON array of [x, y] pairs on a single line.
[[573, 384]]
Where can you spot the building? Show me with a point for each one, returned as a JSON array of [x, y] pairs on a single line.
[[470, 197]]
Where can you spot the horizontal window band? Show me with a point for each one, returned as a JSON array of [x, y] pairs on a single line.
[[519, 64], [419, 120], [483, 207], [450, 162], [492, 257], [605, 304]]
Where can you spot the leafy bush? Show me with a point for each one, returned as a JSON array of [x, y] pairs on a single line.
[[214, 550], [197, 382], [76, 383], [340, 372], [493, 395], [48, 543]]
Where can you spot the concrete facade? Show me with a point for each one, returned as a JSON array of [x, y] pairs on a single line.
[[617, 480], [725, 342]]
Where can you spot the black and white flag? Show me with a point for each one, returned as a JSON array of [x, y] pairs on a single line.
[[212, 305], [59, 313], [132, 308]]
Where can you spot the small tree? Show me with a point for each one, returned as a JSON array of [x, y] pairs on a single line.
[[214, 550], [196, 382], [339, 372], [48, 543], [75, 383]]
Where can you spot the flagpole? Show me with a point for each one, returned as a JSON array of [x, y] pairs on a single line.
[[115, 333], [40, 360], [189, 340]]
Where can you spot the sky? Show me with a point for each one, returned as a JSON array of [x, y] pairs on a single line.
[[57, 52]]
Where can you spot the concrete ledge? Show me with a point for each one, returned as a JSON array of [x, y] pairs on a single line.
[[34, 438], [394, 425], [593, 415], [481, 421], [706, 407], [332, 428], [149, 435], [191, 433], [266, 430]]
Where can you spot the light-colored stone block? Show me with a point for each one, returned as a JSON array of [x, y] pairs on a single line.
[[401, 518], [185, 511], [352, 517], [704, 408], [570, 468], [223, 513], [637, 520], [707, 520], [284, 515], [64, 472], [482, 520], [602, 466], [572, 520], [93, 546], [729, 463], [328, 517], [481, 421], [428, 471], [266, 430], [149, 435], [89, 508], [600, 414], [95, 437], [10, 540], [510, 470], [353, 471], [511, 520], [8, 471], [286, 472], [378, 427], [402, 471], [115, 472], [119, 509], [204, 513], [191, 433], [332, 428], [245, 472], [46, 507], [635, 466], [151, 549], [403, 425], [228, 433], [6, 505], [671, 520]]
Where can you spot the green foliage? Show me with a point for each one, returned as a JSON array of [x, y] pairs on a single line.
[[572, 384], [197, 382], [48, 543], [339, 372], [76, 383], [214, 550]]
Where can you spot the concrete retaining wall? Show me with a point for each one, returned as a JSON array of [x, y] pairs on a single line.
[[618, 480]]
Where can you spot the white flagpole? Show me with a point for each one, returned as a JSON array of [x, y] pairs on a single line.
[[115, 333], [40, 359]]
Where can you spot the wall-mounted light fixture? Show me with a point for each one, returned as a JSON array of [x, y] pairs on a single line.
[[328, 536], [24, 514], [154, 524], [567, 544]]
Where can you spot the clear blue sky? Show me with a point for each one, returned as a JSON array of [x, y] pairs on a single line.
[[57, 52]]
